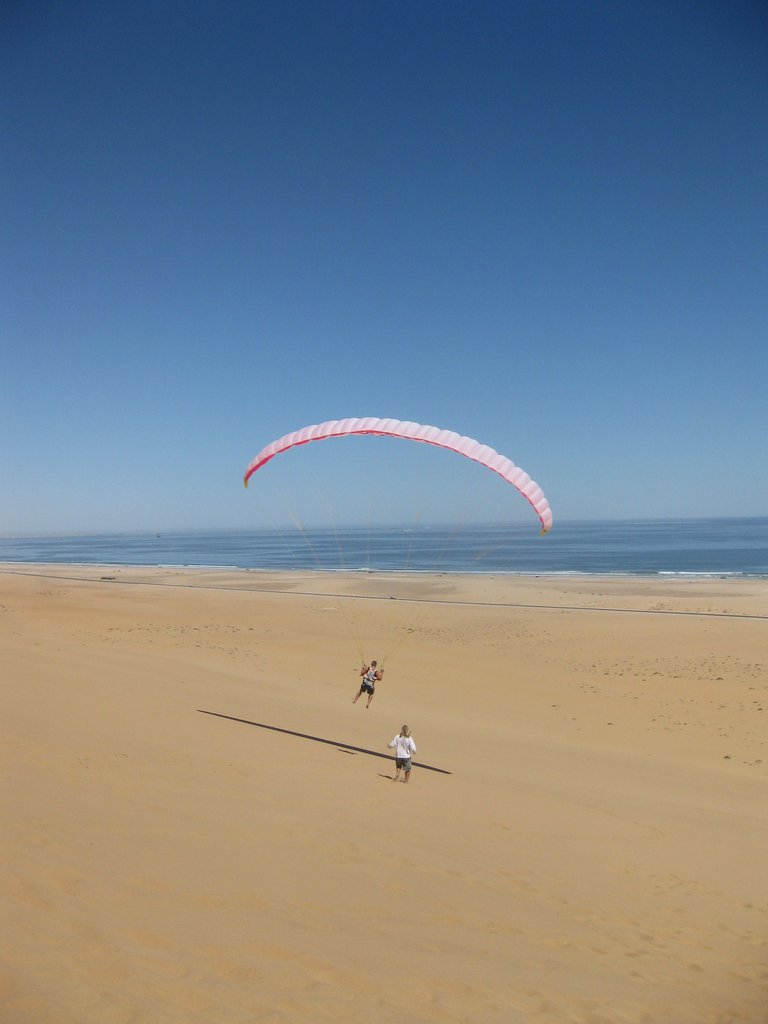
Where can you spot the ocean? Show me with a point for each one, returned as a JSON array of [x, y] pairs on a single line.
[[696, 547]]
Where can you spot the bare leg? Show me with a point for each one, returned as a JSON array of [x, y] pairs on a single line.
[[407, 776], [397, 774], [370, 698]]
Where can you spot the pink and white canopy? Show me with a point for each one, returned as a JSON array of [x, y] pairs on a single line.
[[413, 432]]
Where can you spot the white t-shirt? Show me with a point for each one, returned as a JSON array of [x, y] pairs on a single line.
[[404, 746]]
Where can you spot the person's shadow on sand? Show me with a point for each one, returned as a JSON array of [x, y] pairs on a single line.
[[345, 748]]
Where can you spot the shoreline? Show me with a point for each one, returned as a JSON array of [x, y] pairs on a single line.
[[687, 548], [356, 574]]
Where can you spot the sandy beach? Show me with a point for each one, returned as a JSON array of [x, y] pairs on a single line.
[[199, 825]]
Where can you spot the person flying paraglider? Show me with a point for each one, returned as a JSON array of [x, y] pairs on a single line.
[[369, 676], [423, 433]]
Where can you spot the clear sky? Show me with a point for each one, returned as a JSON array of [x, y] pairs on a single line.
[[543, 224]]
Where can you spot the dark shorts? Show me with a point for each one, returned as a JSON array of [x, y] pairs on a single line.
[[404, 763], [366, 688]]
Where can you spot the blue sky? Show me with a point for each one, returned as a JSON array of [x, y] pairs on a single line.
[[541, 224]]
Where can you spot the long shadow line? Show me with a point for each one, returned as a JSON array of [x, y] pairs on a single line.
[[321, 739]]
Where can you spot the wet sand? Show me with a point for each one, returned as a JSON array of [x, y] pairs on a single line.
[[199, 825]]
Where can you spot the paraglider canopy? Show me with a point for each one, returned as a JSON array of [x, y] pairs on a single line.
[[406, 430]]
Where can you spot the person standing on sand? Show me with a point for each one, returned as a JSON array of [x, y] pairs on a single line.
[[371, 675], [404, 747]]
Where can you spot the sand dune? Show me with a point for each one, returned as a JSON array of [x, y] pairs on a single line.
[[199, 825]]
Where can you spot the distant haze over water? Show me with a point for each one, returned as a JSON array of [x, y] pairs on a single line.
[[644, 547]]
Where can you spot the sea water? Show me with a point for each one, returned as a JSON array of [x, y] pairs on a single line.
[[708, 547]]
